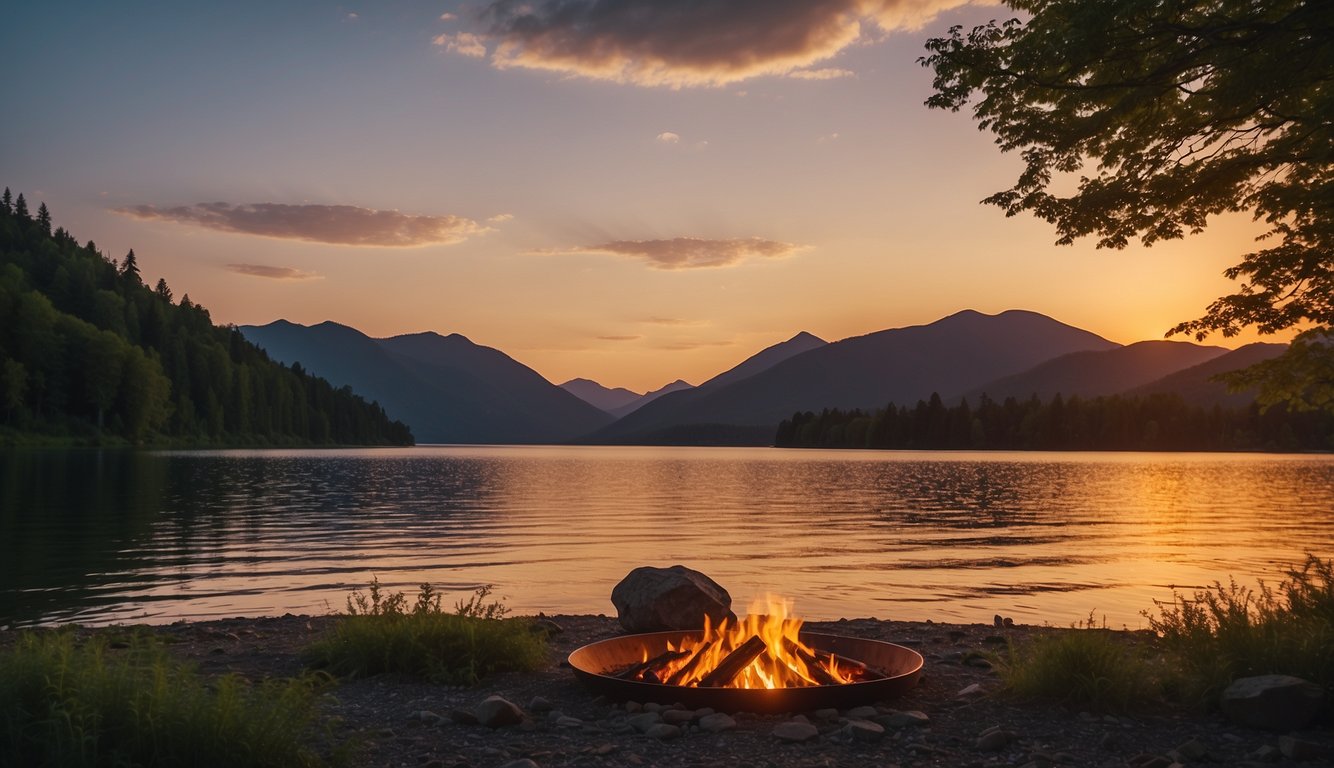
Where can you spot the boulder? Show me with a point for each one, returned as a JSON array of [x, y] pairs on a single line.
[[652, 599], [1272, 702], [495, 711]]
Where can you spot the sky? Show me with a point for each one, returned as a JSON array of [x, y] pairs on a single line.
[[632, 192]]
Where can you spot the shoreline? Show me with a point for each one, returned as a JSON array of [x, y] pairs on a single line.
[[394, 720]]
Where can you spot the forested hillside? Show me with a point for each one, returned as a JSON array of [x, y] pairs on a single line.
[[1155, 422], [89, 351]]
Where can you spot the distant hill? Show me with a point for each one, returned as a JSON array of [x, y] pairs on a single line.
[[598, 396], [679, 385], [902, 365], [766, 359], [1102, 372], [446, 388], [1195, 387]]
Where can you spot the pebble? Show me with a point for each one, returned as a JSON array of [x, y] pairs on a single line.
[[565, 721], [862, 713], [678, 716], [973, 690], [522, 762], [633, 707], [645, 721], [663, 732], [717, 722], [1192, 751], [426, 717], [1266, 753], [1294, 748], [462, 716], [903, 719], [826, 714], [496, 711], [795, 731], [539, 704], [865, 730], [995, 739]]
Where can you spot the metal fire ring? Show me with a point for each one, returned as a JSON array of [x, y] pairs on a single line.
[[597, 663]]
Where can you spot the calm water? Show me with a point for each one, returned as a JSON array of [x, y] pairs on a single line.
[[106, 536]]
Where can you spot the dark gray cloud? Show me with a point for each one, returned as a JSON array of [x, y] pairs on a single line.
[[273, 273], [335, 224], [690, 252], [683, 42]]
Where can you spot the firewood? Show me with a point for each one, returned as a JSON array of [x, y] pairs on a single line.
[[691, 664], [734, 662], [662, 658], [851, 667], [814, 665]]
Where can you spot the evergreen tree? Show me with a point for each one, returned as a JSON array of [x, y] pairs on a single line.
[[129, 269], [7, 202], [162, 291], [44, 219], [21, 208]]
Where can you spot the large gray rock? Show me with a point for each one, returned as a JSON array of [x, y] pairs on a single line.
[[1272, 702], [656, 599]]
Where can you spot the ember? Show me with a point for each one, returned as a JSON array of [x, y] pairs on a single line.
[[764, 650]]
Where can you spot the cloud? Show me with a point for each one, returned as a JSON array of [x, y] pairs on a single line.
[[336, 224], [667, 137], [684, 43], [447, 16], [686, 346], [500, 218], [828, 73], [689, 252], [674, 321], [463, 43], [619, 338], [274, 273]]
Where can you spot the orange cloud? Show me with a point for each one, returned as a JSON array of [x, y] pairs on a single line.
[[619, 338], [335, 224], [273, 273], [686, 42], [689, 252]]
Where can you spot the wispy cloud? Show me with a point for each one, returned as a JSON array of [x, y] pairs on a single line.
[[335, 224], [683, 43], [273, 273], [667, 137], [688, 252], [673, 321], [686, 346], [827, 73], [462, 43], [619, 338]]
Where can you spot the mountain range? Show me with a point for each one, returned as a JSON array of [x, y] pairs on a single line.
[[450, 390]]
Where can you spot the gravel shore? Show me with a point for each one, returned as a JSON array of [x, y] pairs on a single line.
[[956, 716]]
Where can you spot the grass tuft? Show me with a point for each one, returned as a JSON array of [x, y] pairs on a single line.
[[382, 633], [74, 703], [1227, 632], [1090, 669]]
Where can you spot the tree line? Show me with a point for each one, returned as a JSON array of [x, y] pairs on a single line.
[[88, 350], [1159, 422]]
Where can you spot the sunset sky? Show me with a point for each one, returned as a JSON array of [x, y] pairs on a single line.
[[632, 192]]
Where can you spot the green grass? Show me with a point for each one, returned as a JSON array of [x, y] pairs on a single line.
[[1094, 669], [72, 703], [382, 633], [1227, 632]]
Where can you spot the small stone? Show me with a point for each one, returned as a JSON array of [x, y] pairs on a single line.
[[545, 627], [605, 749], [1007, 621], [829, 713], [663, 732], [1193, 751], [678, 716], [565, 721], [522, 762], [795, 731], [634, 707], [539, 704], [994, 740], [653, 706], [426, 717], [865, 730], [495, 711], [462, 716], [997, 621], [1294, 748], [973, 690], [1266, 753], [717, 722], [1144, 760], [862, 713], [645, 721], [1109, 741], [903, 719]]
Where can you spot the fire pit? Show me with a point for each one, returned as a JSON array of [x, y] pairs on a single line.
[[764, 663]]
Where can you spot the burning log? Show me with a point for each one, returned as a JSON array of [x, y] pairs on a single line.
[[667, 656], [816, 667], [850, 667], [733, 663], [691, 664]]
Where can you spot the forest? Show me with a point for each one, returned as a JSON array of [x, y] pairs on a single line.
[[1159, 422], [89, 353]]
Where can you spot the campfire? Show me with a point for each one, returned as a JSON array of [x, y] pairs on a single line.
[[762, 663], [763, 650]]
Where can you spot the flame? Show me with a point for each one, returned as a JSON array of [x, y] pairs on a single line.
[[784, 662]]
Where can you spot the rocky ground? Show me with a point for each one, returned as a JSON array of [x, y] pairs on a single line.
[[956, 716]]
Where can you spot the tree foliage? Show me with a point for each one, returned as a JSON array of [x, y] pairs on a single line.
[[1143, 119], [86, 349]]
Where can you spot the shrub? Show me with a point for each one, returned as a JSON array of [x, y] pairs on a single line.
[[73, 703], [1226, 632], [381, 633], [1087, 669]]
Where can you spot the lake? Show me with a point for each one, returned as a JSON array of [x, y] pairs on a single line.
[[120, 536]]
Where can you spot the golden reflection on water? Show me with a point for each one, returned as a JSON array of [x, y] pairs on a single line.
[[944, 536]]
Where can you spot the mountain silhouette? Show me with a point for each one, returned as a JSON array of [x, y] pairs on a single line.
[[1194, 384], [600, 397], [676, 386], [1098, 373], [446, 388], [902, 365]]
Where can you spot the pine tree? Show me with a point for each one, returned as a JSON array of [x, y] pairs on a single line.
[[163, 291], [130, 269], [21, 208], [7, 202], [44, 219]]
